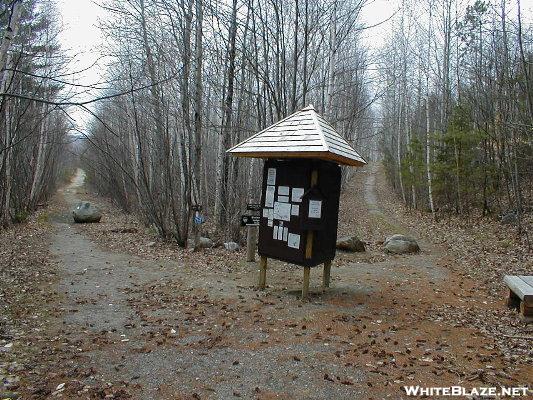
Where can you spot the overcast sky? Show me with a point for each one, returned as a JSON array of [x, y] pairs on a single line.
[[82, 36], [82, 39]]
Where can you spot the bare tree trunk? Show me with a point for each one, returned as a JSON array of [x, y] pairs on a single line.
[[39, 164], [305, 55], [399, 150], [428, 158], [5, 62], [457, 177], [159, 147], [11, 31], [332, 60], [222, 168], [5, 202], [198, 116], [411, 169], [295, 59], [525, 69], [428, 123], [220, 205], [445, 108]]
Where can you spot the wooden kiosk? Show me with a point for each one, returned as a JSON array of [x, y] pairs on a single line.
[[300, 192]]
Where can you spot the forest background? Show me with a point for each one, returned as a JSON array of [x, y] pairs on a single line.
[[444, 99]]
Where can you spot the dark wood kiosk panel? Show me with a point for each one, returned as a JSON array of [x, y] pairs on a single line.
[[299, 220], [300, 192]]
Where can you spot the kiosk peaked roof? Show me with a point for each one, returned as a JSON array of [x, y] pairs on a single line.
[[304, 134]]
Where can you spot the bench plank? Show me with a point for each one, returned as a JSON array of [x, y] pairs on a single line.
[[520, 287], [527, 279]]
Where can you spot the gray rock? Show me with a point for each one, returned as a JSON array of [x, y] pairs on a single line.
[[5, 348], [401, 244], [510, 219], [15, 367], [231, 246], [351, 244], [204, 243], [85, 212], [9, 395], [11, 382]]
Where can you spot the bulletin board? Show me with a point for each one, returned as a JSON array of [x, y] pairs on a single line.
[[291, 208]]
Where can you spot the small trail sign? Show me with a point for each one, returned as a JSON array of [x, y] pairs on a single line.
[[198, 218], [253, 207], [250, 220]]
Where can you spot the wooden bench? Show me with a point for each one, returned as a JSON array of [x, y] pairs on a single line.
[[521, 294]]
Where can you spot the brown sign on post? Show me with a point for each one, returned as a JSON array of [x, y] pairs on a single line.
[[301, 190], [250, 220]]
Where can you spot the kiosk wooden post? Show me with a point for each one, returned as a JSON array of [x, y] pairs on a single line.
[[305, 288], [262, 272], [251, 242], [326, 274]]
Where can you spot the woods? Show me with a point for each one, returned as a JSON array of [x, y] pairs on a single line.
[[33, 134], [457, 121], [217, 72], [446, 102]]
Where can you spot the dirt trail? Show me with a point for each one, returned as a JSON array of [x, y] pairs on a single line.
[[370, 195], [94, 280], [381, 217], [158, 328], [107, 300], [95, 285], [104, 301]]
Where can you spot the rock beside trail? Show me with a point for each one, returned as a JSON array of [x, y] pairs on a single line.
[[351, 244], [510, 218], [231, 246], [86, 212], [11, 382], [9, 395], [401, 244], [204, 243]]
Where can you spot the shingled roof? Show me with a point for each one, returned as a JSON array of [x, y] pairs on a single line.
[[304, 134]]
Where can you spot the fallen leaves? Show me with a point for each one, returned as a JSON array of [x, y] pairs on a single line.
[[407, 327]]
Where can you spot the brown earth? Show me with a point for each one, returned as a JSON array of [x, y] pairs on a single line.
[[108, 310]]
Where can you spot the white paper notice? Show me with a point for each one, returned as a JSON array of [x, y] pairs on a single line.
[[283, 190], [297, 194], [315, 208], [293, 240], [285, 233], [270, 214], [283, 199], [271, 176], [295, 210], [269, 196], [271, 223], [282, 211], [265, 212], [280, 233], [275, 233]]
